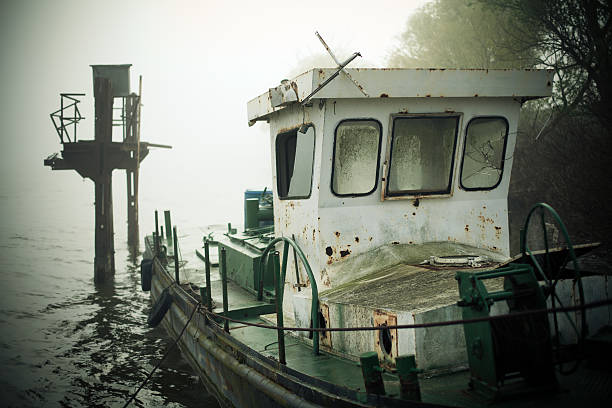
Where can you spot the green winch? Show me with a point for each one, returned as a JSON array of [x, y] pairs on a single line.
[[511, 354]]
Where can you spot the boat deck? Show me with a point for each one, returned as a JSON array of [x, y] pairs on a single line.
[[585, 387]]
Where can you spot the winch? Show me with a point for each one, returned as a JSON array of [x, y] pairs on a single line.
[[510, 354]]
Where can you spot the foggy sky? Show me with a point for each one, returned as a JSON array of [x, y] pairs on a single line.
[[201, 61]]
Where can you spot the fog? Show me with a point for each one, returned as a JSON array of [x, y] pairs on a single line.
[[201, 61]]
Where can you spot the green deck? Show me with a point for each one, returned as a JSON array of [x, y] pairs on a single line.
[[585, 387]]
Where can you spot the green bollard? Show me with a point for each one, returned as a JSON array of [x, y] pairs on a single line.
[[409, 380], [372, 373]]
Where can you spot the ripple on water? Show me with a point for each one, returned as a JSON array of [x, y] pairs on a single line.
[[67, 343]]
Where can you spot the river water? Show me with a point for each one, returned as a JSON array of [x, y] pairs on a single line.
[[65, 341]]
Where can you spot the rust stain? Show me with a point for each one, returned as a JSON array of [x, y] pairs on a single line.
[[498, 231], [337, 234], [313, 234], [370, 239], [345, 252], [467, 228], [325, 278]]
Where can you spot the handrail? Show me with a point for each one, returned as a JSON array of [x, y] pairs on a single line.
[[526, 251], [61, 122], [314, 307]]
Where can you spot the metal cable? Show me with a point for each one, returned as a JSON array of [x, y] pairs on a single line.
[[164, 357], [600, 303]]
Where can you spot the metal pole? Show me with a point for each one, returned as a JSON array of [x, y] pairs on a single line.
[[168, 226], [224, 287], [279, 309], [208, 288], [176, 258], [297, 270], [156, 235]]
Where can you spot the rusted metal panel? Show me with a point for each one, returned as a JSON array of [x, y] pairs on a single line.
[[325, 337], [386, 340]]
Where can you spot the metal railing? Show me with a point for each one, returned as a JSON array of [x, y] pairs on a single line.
[[66, 118], [280, 275]]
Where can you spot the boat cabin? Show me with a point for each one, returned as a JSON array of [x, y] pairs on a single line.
[[377, 173]]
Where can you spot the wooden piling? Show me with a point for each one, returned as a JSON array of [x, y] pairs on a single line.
[[104, 261]]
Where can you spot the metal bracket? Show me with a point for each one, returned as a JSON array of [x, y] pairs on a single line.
[[344, 71]]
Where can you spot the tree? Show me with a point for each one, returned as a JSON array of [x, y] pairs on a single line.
[[575, 39], [468, 34]]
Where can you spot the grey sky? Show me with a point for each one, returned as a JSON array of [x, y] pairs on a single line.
[[201, 62]]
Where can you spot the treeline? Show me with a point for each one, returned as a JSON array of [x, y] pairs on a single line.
[[564, 148]]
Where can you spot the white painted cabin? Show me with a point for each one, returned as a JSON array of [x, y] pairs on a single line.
[[372, 185]]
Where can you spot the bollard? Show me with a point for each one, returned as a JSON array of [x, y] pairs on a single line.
[[176, 259], [409, 380], [278, 287], [207, 269], [372, 373], [224, 287]]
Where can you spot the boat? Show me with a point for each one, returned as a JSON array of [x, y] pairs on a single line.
[[377, 270]]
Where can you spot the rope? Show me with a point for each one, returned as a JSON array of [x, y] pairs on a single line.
[[164, 357], [600, 303]]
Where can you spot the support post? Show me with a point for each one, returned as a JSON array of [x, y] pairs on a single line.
[[176, 259], [224, 288], [104, 261], [207, 269], [156, 235], [278, 287], [168, 227]]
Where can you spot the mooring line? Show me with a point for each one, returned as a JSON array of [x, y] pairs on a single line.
[[592, 305], [165, 355]]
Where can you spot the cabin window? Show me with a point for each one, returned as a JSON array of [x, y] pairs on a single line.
[[356, 152], [294, 162], [422, 155], [483, 154]]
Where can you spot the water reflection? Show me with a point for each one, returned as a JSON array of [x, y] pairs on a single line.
[[68, 342]]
